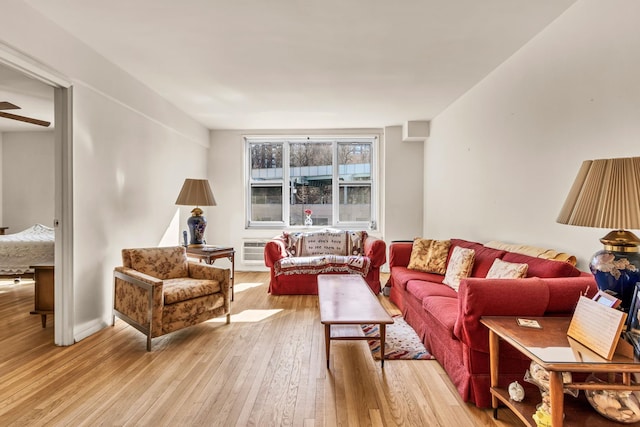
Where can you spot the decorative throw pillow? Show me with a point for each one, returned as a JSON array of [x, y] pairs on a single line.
[[355, 242], [460, 265], [507, 270], [293, 242], [429, 256]]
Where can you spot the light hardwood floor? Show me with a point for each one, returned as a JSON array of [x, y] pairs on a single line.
[[266, 368]]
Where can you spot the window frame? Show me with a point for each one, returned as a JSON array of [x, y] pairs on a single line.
[[285, 181]]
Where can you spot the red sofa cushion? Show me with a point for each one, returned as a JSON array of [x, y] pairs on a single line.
[[540, 267], [484, 256], [402, 275], [421, 290], [443, 309]]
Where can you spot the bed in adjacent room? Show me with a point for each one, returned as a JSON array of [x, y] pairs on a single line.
[[19, 251]]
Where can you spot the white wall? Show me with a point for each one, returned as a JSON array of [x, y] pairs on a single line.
[[132, 151], [500, 160], [403, 170], [27, 176]]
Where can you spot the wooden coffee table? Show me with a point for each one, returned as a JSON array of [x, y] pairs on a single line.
[[346, 300]]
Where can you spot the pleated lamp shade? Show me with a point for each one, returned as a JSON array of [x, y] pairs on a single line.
[[196, 192], [605, 194]]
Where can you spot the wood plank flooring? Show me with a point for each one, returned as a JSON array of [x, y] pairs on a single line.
[[266, 368]]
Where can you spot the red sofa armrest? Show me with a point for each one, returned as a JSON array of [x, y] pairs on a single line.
[[479, 297], [564, 292], [376, 250], [400, 254], [274, 250]]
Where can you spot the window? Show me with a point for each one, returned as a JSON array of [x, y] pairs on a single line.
[[331, 177]]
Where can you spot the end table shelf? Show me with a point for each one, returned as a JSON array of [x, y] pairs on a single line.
[[578, 412]]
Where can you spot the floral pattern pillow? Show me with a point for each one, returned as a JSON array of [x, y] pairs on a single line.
[[507, 270], [429, 256], [459, 267]]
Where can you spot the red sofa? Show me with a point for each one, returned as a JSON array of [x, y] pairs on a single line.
[[448, 321], [292, 274]]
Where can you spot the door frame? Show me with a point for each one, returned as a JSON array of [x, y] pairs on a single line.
[[63, 172]]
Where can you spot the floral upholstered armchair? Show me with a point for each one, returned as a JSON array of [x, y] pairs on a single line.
[[158, 290]]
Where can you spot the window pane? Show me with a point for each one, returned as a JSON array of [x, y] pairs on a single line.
[[354, 161], [311, 179], [355, 203], [266, 203], [266, 161]]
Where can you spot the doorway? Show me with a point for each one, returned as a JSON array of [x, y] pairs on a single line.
[[62, 220]]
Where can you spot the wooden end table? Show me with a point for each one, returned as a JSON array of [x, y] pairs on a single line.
[[556, 352], [3, 229], [210, 254], [43, 276], [346, 300]]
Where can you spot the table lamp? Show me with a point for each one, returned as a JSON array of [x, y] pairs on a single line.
[[606, 194], [196, 192]]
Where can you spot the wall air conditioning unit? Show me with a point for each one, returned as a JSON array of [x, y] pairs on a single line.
[[253, 251]]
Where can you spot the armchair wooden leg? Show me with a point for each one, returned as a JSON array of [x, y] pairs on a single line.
[[149, 342], [228, 318]]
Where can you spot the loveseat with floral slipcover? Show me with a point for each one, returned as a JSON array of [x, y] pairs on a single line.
[[296, 258]]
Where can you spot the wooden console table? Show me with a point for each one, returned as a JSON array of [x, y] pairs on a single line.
[[210, 254], [556, 352], [44, 277]]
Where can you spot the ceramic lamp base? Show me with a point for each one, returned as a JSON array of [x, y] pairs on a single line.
[[197, 224], [617, 272]]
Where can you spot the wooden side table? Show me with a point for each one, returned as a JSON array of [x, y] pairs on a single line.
[[210, 254], [44, 277], [3, 229], [552, 349]]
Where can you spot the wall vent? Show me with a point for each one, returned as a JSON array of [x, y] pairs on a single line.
[[253, 251]]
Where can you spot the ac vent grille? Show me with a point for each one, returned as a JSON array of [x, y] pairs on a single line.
[[253, 251]]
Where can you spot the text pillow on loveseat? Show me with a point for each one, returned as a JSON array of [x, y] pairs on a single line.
[[295, 259], [448, 320]]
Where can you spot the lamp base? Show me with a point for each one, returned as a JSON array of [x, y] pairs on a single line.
[[616, 267], [197, 224]]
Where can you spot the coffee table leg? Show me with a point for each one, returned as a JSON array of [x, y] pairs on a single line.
[[327, 341], [383, 333]]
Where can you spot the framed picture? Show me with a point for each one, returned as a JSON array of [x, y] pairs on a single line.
[[607, 299], [633, 323]]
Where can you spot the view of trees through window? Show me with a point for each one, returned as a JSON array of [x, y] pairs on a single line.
[[325, 176]]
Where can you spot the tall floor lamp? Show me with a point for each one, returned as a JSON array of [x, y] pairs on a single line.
[[606, 194], [196, 192]]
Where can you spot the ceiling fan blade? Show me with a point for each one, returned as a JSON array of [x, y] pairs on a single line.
[[25, 119], [4, 105]]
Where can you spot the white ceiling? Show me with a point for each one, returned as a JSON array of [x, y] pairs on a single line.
[[34, 98], [257, 64]]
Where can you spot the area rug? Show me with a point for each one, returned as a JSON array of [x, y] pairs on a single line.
[[401, 341]]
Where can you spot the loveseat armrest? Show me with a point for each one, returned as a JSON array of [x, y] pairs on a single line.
[[400, 253], [376, 250], [274, 250], [479, 297]]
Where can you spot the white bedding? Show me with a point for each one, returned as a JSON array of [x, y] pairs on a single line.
[[18, 251]]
